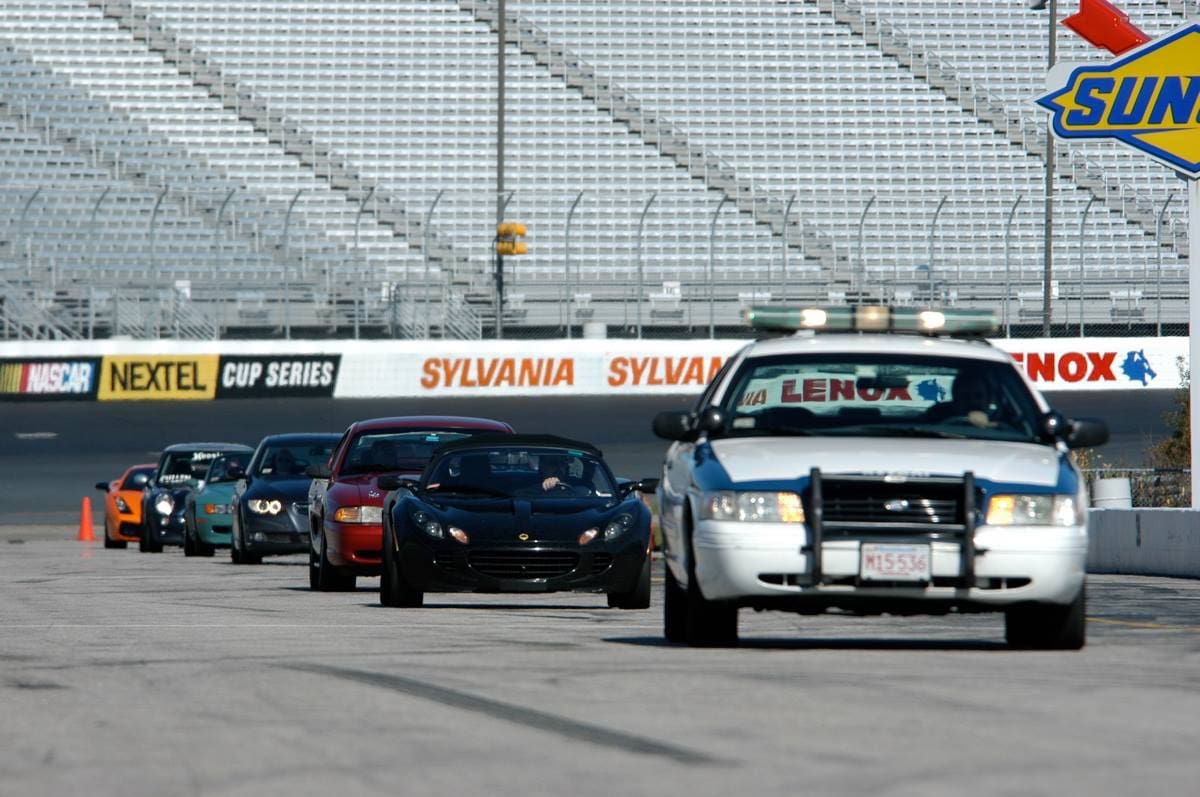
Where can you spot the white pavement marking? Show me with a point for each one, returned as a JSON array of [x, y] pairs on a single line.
[[35, 435]]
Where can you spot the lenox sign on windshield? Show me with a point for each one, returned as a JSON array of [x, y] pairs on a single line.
[[1149, 100]]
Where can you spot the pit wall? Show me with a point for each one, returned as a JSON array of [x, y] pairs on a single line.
[[1144, 542], [107, 370]]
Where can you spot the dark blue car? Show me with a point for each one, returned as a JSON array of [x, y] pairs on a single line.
[[270, 502]]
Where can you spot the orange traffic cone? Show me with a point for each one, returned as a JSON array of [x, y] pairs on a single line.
[[85, 521]]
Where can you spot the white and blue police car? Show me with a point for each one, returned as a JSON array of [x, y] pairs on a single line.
[[874, 460]]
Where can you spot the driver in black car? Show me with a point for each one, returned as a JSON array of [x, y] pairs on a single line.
[[555, 473]]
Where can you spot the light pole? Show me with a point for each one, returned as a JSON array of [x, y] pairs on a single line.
[[1051, 6], [501, 198]]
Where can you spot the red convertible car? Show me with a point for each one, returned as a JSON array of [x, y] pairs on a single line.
[[346, 502]]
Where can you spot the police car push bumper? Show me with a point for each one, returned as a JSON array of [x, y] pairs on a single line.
[[734, 561]]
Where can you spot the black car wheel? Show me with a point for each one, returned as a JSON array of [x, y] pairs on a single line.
[[394, 589], [329, 578], [639, 596], [1048, 626], [148, 543]]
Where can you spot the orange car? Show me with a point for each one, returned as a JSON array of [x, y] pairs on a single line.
[[123, 505]]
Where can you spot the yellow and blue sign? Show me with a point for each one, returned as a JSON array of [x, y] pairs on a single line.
[[1149, 100]]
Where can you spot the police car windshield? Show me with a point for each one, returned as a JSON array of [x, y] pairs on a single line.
[[879, 395]]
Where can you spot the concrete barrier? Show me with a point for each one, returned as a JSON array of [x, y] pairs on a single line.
[[1145, 542]]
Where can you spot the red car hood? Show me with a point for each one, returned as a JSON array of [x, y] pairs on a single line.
[[360, 490]]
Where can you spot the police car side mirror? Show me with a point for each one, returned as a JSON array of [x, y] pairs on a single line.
[[1086, 433], [674, 425], [711, 420], [318, 471]]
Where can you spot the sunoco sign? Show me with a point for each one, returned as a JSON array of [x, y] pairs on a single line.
[[1149, 100]]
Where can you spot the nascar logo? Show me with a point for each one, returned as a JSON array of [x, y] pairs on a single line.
[[1149, 100]]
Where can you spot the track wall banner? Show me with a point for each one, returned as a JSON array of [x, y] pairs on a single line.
[[140, 370], [42, 379], [270, 376], [158, 376]]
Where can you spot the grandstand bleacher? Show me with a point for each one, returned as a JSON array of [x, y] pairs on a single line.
[[319, 167]]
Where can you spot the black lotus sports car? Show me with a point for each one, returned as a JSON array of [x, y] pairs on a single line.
[[516, 513]]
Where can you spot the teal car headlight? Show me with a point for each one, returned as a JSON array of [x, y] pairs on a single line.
[[752, 507], [1034, 510], [217, 509]]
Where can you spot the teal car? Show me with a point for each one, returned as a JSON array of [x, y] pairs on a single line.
[[208, 518]]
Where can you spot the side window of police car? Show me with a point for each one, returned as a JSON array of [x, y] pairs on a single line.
[[710, 390]]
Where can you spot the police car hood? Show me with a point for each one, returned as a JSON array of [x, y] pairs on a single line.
[[751, 459]]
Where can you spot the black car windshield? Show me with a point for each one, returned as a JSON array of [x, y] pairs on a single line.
[[288, 460], [879, 395], [396, 450], [185, 467], [521, 471]]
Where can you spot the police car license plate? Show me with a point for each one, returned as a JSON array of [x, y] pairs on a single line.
[[892, 562]]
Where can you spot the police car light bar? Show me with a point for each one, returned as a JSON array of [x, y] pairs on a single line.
[[873, 318]]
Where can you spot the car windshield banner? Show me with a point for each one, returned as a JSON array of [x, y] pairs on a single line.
[[49, 379], [262, 376]]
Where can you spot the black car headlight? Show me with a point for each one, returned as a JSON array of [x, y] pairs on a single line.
[[428, 524], [618, 526], [164, 504]]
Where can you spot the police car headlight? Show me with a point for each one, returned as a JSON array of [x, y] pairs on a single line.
[[164, 504], [1034, 510], [752, 506], [261, 506], [359, 514]]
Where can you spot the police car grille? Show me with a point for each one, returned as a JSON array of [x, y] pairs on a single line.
[[523, 564], [891, 504]]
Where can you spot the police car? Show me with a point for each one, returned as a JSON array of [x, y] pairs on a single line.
[[874, 460]]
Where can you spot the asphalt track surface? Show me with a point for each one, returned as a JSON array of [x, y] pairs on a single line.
[[136, 674], [53, 453]]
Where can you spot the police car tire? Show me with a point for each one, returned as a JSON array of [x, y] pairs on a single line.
[[708, 623], [639, 596], [1048, 626], [674, 608], [394, 589]]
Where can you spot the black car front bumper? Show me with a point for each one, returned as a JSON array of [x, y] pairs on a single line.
[[533, 567]]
